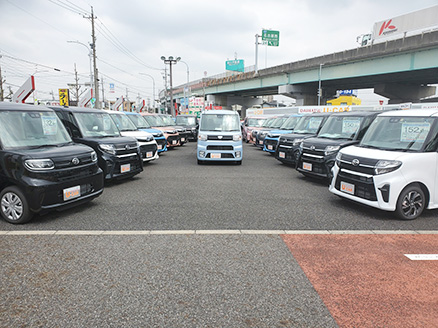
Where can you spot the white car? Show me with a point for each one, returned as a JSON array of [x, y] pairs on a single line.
[[148, 145], [395, 167]]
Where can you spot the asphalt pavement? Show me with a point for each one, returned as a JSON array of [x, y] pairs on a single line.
[[184, 245]]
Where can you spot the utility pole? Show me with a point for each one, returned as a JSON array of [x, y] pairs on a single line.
[[93, 45], [1, 85], [103, 94]]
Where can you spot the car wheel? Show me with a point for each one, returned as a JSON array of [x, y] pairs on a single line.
[[410, 203], [13, 206]]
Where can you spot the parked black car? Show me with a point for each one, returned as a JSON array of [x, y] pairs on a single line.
[[288, 147], [318, 154], [190, 123], [119, 157], [41, 169]]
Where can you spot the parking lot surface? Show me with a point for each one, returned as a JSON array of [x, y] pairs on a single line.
[[183, 245]]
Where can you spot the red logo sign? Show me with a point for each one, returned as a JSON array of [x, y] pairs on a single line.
[[386, 26]]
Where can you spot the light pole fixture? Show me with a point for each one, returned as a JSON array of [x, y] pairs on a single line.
[[319, 84], [153, 89], [90, 55], [171, 61]]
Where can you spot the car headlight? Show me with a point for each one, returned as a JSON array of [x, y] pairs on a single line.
[[338, 159], [202, 137], [171, 131], [39, 164], [108, 148], [237, 137], [296, 142], [158, 135], [94, 157], [331, 150], [384, 166]]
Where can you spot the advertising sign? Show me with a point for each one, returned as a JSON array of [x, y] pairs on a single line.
[[63, 97], [86, 98], [24, 91], [416, 20], [196, 103], [236, 65]]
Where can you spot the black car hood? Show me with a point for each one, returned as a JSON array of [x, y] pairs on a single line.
[[321, 143], [293, 136], [107, 140], [52, 152]]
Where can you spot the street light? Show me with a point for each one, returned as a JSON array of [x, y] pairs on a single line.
[[89, 55], [319, 84], [171, 61], [153, 88]]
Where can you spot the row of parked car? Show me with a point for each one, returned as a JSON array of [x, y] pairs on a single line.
[[387, 159], [58, 157]]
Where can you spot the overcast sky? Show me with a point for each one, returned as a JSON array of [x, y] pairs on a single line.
[[133, 35]]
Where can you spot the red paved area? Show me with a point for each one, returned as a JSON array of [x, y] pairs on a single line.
[[367, 281]]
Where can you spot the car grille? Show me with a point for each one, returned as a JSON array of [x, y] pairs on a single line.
[[223, 155], [220, 148], [363, 186], [219, 137], [65, 162], [365, 165]]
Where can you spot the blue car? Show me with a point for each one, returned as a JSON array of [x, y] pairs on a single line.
[[271, 140], [143, 125], [219, 137]]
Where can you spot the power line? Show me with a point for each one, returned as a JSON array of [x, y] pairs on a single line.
[[69, 7]]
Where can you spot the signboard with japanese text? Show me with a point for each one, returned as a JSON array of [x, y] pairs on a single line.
[[272, 38], [63, 97], [236, 65]]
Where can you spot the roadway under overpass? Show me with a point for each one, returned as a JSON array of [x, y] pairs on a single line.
[[401, 70]]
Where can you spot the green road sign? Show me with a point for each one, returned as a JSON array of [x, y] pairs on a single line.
[[271, 37]]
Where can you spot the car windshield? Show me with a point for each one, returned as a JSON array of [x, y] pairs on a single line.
[[139, 121], [256, 122], [123, 122], [268, 122], [154, 120], [278, 122], [400, 133], [168, 121], [24, 129], [96, 125], [185, 120], [341, 127], [308, 124], [220, 122], [290, 123]]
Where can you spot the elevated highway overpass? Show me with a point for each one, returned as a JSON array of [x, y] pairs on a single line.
[[401, 70]]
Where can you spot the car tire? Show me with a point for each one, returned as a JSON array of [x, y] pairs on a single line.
[[14, 207], [410, 203]]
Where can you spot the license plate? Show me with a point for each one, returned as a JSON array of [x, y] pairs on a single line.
[[215, 155], [125, 168], [173, 142], [71, 193], [149, 154], [347, 188], [307, 166], [270, 147], [160, 147], [260, 142], [282, 154], [183, 139]]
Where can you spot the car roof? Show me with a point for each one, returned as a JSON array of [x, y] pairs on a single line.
[[219, 111], [412, 112], [357, 113], [79, 109], [22, 107]]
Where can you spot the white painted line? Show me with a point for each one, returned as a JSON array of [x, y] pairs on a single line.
[[307, 232], [79, 232], [351, 232], [127, 232], [213, 232], [263, 232], [172, 232], [218, 232], [422, 257]]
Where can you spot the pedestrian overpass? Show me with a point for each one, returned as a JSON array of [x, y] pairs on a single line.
[[401, 70]]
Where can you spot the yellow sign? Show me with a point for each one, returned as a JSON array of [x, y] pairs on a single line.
[[63, 97]]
